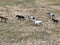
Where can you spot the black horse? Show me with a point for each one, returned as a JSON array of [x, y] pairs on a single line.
[[20, 17], [3, 18], [55, 21]]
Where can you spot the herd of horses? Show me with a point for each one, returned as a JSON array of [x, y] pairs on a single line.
[[52, 16], [32, 18]]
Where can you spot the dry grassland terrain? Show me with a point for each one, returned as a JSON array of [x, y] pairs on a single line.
[[16, 32]]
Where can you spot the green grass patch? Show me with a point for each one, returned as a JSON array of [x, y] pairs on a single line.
[[55, 4], [17, 2]]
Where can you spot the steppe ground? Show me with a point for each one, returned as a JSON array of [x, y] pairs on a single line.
[[16, 32]]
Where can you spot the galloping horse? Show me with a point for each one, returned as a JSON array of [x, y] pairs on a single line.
[[20, 17], [31, 17], [55, 21], [51, 15], [3, 18]]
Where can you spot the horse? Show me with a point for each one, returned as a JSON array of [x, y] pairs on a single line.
[[20, 17], [31, 17], [37, 22], [51, 15], [55, 20], [3, 18]]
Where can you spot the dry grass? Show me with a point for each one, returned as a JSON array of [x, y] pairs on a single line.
[[16, 32]]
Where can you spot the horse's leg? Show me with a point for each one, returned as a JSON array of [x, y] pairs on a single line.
[[1, 19], [53, 22], [17, 18], [41, 24], [24, 19], [56, 23], [21, 19], [5, 21]]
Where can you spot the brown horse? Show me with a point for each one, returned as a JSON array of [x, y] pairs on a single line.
[[3, 18]]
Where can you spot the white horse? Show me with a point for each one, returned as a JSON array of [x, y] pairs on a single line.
[[37, 22], [31, 17], [51, 15]]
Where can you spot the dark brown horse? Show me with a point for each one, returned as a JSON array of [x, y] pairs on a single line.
[[3, 18]]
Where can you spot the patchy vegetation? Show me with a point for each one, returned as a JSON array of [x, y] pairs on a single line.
[[16, 32]]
